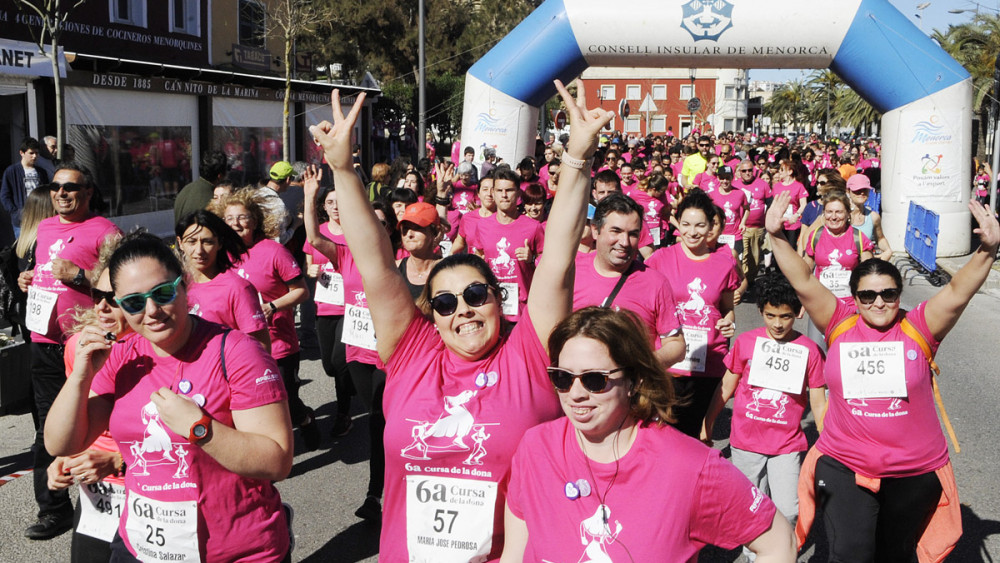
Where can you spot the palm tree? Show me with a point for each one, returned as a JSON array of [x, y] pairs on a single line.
[[789, 104], [827, 88], [853, 111]]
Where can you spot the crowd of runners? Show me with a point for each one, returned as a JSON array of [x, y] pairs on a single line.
[[543, 349]]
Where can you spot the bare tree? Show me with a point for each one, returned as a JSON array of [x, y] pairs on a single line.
[[52, 15], [288, 20]]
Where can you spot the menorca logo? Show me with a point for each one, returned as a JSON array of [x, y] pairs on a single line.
[[707, 19]]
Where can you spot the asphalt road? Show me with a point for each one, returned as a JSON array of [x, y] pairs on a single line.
[[326, 486]]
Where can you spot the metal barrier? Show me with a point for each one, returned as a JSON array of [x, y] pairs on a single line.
[[922, 236]]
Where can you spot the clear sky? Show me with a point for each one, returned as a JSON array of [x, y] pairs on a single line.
[[935, 16]]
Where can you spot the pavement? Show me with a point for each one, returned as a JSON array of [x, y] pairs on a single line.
[[953, 264]]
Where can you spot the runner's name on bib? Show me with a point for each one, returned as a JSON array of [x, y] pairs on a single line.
[[101, 507], [510, 303], [358, 328], [837, 281], [330, 288], [162, 530], [655, 233], [449, 520], [779, 366], [696, 350], [871, 370], [41, 304], [728, 240]]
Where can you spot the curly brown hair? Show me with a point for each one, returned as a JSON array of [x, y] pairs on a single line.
[[266, 225]]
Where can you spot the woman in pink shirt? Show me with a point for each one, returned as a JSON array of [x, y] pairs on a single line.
[[785, 182], [217, 294], [882, 452], [581, 486], [461, 390], [278, 279]]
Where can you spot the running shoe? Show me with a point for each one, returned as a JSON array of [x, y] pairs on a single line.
[[371, 510]]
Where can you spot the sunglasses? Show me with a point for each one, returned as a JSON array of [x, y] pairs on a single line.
[[888, 295], [475, 295], [66, 186], [108, 296], [704, 145], [822, 183], [163, 294], [594, 381]]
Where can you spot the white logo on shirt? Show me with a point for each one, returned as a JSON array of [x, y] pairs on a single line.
[[54, 250], [156, 447], [696, 305], [596, 528], [449, 431], [503, 259], [770, 399]]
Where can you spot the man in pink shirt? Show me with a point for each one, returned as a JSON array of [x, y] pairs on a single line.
[[68, 248], [756, 191]]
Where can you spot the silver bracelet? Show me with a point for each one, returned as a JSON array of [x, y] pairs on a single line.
[[577, 163]]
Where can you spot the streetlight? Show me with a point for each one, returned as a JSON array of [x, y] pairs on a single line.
[[920, 13]]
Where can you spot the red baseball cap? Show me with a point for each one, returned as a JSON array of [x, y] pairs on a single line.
[[420, 214]]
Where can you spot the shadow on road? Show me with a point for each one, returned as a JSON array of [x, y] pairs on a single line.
[[356, 543], [971, 547], [16, 462]]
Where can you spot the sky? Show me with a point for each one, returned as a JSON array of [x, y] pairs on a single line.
[[935, 16]]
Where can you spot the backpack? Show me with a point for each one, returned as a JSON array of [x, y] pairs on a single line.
[[814, 240], [914, 333], [12, 300]]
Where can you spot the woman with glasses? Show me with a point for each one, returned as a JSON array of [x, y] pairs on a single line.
[[581, 486], [276, 276], [708, 180], [881, 464], [868, 221], [461, 390], [197, 412], [211, 248]]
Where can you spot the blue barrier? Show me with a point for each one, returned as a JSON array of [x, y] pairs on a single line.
[[922, 236]]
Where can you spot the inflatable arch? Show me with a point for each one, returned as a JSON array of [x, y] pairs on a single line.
[[925, 95]]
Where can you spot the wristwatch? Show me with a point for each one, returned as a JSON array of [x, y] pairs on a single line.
[[199, 430], [78, 279]]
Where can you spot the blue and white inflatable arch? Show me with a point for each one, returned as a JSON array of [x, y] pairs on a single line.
[[925, 95]]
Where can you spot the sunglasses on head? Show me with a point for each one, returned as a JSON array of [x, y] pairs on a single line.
[[108, 296], [66, 186], [163, 294], [475, 295], [888, 295], [594, 381]]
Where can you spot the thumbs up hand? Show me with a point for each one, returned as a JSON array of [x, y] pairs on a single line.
[[524, 253]]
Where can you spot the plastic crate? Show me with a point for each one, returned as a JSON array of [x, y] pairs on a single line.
[[922, 236]]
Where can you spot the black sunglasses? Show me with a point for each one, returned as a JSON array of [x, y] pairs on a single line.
[[108, 296], [594, 381], [822, 183], [475, 295], [888, 295], [66, 186]]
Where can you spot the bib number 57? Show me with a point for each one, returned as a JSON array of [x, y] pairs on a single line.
[[440, 517]]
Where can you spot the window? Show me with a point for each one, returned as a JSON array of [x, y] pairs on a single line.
[[687, 91], [252, 23], [633, 92], [730, 92], [728, 125], [659, 91], [128, 12], [632, 125], [185, 17], [658, 124], [608, 92]]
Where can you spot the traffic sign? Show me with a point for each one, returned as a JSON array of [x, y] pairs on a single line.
[[694, 104], [623, 108]]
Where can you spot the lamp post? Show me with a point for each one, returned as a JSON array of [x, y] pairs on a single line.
[[920, 13], [422, 86], [692, 73]]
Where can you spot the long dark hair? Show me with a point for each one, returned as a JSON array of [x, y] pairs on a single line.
[[231, 246], [141, 244]]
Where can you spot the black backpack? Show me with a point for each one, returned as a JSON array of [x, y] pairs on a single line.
[[12, 300]]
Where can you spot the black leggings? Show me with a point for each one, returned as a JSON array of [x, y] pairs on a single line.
[[289, 368], [370, 383], [697, 392], [864, 527], [84, 548], [334, 359]]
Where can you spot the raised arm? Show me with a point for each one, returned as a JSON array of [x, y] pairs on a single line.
[[310, 217], [388, 298], [944, 309], [818, 301], [550, 298]]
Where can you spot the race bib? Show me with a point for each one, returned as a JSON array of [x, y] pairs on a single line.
[[162, 531], [449, 520], [728, 240], [330, 288], [101, 507], [779, 366], [445, 247], [696, 350], [510, 303], [41, 304], [790, 212], [655, 233], [870, 370], [358, 328], [837, 281]]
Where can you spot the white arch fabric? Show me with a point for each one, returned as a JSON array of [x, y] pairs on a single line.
[[925, 96]]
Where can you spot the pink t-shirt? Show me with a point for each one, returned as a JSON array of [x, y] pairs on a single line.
[[228, 300], [756, 191], [697, 497], [884, 437], [80, 243], [463, 195], [237, 518], [798, 192], [447, 417], [354, 295], [499, 243], [468, 228], [269, 266], [735, 205], [837, 252], [645, 292], [327, 267], [656, 215], [706, 182], [768, 421], [697, 287]]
